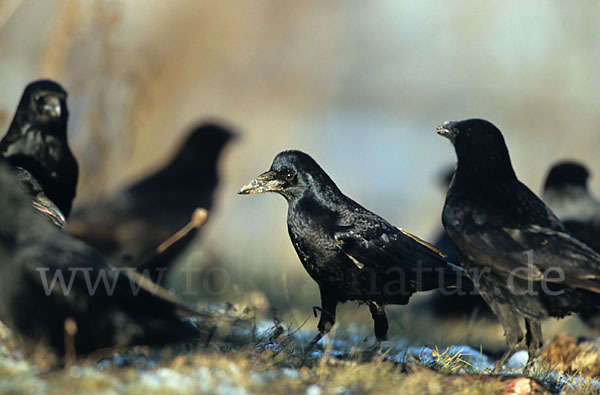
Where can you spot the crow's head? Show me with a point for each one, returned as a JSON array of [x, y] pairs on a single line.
[[292, 173], [202, 148], [45, 102], [479, 146], [567, 174]]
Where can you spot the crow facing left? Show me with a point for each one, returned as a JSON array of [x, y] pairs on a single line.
[[526, 264], [103, 307], [36, 141], [352, 253]]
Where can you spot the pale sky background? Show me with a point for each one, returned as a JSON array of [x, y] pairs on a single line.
[[358, 85]]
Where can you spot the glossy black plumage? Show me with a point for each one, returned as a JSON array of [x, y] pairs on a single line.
[[134, 221], [33, 252], [36, 141], [40, 200], [455, 305], [350, 252], [495, 220]]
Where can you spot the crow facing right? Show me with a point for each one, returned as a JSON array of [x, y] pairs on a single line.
[[134, 221], [352, 253]]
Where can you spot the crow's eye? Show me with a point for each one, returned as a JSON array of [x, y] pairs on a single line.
[[289, 175], [37, 97]]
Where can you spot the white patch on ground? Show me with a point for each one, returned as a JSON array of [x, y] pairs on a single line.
[[19, 377]]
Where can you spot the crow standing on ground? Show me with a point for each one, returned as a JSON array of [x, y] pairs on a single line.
[[566, 193], [517, 252], [350, 252], [136, 220], [36, 142], [35, 304]]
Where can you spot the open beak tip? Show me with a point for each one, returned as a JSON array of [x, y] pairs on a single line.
[[445, 130]]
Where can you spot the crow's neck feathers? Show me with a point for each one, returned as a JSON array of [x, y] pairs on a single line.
[[482, 166]]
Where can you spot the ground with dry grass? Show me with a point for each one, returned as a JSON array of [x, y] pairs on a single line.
[[246, 356]]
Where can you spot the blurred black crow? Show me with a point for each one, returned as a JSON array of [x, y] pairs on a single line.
[[566, 193], [155, 264], [455, 305], [517, 252], [57, 291], [134, 221], [350, 252], [36, 141]]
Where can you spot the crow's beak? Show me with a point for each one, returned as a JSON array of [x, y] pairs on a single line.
[[46, 206], [52, 106], [447, 130], [266, 182]]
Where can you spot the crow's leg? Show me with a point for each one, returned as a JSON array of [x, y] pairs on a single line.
[[512, 331], [534, 341], [327, 320], [380, 321]]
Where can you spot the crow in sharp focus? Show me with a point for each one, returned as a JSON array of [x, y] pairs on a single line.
[[57, 291], [134, 221], [517, 252], [566, 193], [455, 305], [36, 141], [350, 252]]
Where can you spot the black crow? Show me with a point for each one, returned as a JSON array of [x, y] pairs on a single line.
[[59, 292], [566, 193], [350, 252], [36, 141], [134, 221], [517, 252]]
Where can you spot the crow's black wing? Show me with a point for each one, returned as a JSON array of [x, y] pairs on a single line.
[[40, 200], [514, 232], [371, 242]]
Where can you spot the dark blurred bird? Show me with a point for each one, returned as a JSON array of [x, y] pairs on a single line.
[[350, 252], [58, 291], [455, 305], [134, 221], [566, 193], [155, 264], [36, 141], [517, 252]]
